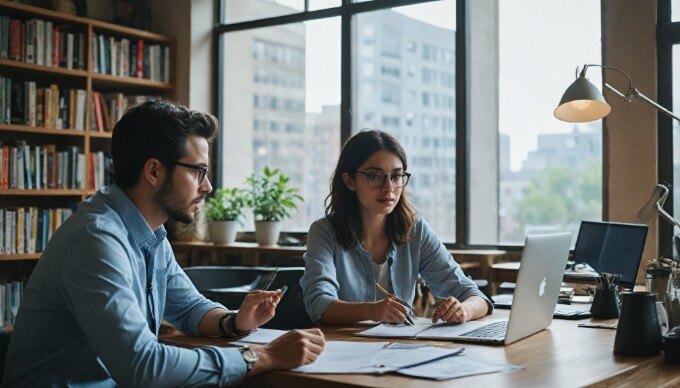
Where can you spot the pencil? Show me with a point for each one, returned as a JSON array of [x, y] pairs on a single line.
[[408, 318]]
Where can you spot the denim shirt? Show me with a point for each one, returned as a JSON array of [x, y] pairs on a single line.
[[335, 273], [90, 317]]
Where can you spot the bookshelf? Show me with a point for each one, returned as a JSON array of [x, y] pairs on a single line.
[[41, 65]]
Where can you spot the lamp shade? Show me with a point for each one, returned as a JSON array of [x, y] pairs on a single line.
[[582, 102]]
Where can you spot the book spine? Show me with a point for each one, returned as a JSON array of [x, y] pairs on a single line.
[[48, 43]]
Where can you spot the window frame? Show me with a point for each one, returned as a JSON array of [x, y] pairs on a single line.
[[346, 11], [667, 35]]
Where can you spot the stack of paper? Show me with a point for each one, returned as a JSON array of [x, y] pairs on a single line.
[[372, 357], [430, 362]]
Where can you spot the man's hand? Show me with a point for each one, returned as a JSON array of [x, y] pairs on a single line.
[[388, 310], [293, 349], [450, 310], [257, 309]]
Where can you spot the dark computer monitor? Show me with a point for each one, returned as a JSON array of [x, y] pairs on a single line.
[[611, 247]]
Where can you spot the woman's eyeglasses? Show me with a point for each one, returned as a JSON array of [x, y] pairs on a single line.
[[398, 179]]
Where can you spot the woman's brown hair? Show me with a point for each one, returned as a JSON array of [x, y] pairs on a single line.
[[342, 208]]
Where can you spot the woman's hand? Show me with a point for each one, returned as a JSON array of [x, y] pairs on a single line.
[[388, 310], [450, 310]]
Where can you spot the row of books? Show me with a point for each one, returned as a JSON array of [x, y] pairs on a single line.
[[29, 103], [28, 229], [42, 42], [126, 58], [26, 166], [101, 170], [10, 298], [109, 108]]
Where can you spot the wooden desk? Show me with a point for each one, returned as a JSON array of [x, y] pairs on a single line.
[[562, 355], [482, 259], [253, 250], [504, 272]]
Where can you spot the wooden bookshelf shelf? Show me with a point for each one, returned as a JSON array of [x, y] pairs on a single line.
[[49, 192], [108, 81], [41, 69], [63, 90], [24, 256], [41, 130], [103, 135]]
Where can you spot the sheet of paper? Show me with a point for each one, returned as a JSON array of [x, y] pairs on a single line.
[[345, 357], [260, 337], [457, 366], [372, 358], [424, 329]]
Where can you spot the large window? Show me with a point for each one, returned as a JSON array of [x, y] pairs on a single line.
[[404, 84], [280, 108], [296, 83], [549, 174]]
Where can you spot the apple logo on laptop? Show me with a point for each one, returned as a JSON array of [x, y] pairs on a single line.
[[541, 288]]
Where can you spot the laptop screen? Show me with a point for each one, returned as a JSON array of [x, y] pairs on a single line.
[[611, 247]]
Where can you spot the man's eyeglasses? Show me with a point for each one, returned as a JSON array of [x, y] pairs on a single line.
[[398, 179], [202, 170]]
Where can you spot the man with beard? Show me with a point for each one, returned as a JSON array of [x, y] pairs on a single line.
[[92, 308]]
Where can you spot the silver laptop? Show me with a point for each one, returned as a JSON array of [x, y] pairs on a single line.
[[538, 286]]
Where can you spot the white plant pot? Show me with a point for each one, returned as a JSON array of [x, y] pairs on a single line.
[[267, 232], [223, 232]]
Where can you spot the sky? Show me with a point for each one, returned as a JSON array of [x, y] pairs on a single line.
[[541, 44]]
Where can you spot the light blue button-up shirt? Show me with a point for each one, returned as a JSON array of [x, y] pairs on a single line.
[[86, 317], [335, 273]]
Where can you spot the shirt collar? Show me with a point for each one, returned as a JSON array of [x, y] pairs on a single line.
[[391, 251], [132, 218]]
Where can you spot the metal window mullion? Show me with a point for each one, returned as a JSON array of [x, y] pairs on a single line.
[[462, 140]]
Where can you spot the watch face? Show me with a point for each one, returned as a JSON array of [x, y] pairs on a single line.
[[249, 355]]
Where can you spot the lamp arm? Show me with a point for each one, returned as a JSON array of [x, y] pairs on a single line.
[[667, 216], [632, 91], [659, 204]]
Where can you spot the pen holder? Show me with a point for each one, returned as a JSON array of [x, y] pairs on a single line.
[[605, 304]]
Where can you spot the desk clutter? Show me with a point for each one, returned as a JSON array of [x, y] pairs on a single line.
[[415, 360]]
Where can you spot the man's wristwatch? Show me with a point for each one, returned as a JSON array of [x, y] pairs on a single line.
[[249, 356]]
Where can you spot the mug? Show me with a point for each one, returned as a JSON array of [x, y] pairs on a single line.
[[640, 325]]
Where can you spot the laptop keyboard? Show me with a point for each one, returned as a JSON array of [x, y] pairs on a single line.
[[493, 330]]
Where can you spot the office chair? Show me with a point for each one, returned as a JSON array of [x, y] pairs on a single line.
[[4, 346], [229, 286]]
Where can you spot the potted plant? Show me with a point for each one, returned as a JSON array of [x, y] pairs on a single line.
[[225, 209], [272, 200], [658, 275]]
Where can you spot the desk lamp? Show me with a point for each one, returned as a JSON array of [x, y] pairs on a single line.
[[582, 102]]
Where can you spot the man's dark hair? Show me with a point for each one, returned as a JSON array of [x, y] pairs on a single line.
[[155, 129]]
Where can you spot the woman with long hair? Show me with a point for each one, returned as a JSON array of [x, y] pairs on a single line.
[[371, 238]]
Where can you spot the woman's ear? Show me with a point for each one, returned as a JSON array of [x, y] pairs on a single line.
[[349, 182]]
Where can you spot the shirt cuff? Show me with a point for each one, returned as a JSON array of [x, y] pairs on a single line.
[[234, 368], [197, 314], [319, 307]]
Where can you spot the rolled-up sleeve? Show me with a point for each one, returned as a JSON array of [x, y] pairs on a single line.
[[184, 305], [319, 283], [96, 285], [443, 275]]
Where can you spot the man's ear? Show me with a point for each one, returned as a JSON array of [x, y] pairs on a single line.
[[349, 182], [154, 172]]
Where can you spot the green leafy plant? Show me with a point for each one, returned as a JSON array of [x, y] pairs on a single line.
[[227, 204], [270, 195]]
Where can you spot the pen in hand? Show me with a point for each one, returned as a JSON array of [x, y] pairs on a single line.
[[408, 318]]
